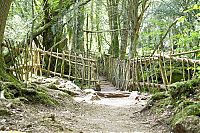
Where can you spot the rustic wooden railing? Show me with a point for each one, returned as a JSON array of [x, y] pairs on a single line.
[[158, 71], [28, 62]]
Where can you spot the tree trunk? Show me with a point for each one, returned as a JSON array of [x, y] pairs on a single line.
[[113, 22], [78, 35], [124, 33], [4, 10], [48, 37]]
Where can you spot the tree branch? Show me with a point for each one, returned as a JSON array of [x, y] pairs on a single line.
[[163, 37]]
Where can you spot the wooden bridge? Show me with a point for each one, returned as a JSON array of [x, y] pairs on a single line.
[[157, 71]]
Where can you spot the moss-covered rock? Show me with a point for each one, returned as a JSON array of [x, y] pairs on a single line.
[[190, 124], [35, 96], [180, 89], [159, 96], [190, 110], [4, 112], [33, 93]]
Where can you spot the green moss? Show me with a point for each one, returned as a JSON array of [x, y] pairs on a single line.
[[64, 95], [183, 89], [190, 110], [189, 124], [52, 86], [4, 112], [159, 96], [12, 90], [34, 96], [182, 104], [33, 93]]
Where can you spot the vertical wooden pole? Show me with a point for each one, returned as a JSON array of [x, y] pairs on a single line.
[[162, 71], [195, 56], [83, 72], [89, 73], [170, 63], [147, 73], [49, 65], [151, 71], [133, 72], [136, 73], [97, 71], [75, 66], [70, 67], [188, 68], [142, 71], [39, 61], [155, 69], [63, 64], [43, 55], [128, 74], [26, 62], [183, 68], [55, 68], [164, 67]]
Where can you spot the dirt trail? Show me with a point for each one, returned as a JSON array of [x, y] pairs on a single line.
[[105, 115], [114, 115]]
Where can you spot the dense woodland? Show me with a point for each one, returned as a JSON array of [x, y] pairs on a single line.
[[145, 45]]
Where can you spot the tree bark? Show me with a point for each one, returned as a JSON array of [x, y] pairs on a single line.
[[4, 10], [112, 6], [48, 37]]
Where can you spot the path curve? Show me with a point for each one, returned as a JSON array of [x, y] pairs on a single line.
[[101, 117]]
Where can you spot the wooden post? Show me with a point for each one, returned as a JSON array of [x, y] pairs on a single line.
[[26, 62], [83, 72], [195, 56], [55, 68], [147, 73], [128, 74], [136, 73], [155, 70], [43, 62], [39, 62], [170, 63], [48, 72], [69, 64], [133, 72], [76, 66], [162, 71], [164, 67], [63, 64], [151, 71], [142, 71], [183, 69], [188, 68]]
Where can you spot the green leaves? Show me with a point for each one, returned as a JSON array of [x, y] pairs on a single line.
[[181, 19], [195, 7]]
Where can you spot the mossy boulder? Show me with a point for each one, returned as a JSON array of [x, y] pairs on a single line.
[[33, 93], [159, 96], [189, 124], [4, 112], [35, 96], [190, 110], [187, 88]]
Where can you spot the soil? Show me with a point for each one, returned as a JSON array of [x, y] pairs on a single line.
[[73, 116]]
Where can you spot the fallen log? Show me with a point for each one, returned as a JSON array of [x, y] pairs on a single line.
[[113, 95]]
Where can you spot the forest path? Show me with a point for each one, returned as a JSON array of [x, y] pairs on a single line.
[[121, 114], [116, 114]]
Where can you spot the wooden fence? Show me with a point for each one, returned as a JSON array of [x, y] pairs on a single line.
[[34, 61], [157, 71]]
